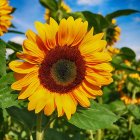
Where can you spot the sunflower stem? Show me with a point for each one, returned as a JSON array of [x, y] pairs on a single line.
[[99, 134], [91, 134], [39, 130], [31, 137], [130, 122], [99, 131], [50, 123]]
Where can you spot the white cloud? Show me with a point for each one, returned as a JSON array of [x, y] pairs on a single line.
[[17, 39], [90, 2], [137, 19]]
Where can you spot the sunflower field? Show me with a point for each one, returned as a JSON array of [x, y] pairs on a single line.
[[67, 80]]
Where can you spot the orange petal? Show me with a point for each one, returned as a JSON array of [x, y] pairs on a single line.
[[98, 57], [37, 40], [80, 33], [25, 81], [97, 79], [22, 67], [92, 89], [101, 67], [29, 58], [31, 48], [62, 33], [29, 90], [81, 98]]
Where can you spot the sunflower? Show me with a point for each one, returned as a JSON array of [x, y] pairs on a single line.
[[64, 7], [113, 33], [128, 100], [5, 17], [112, 50], [126, 95], [62, 66]]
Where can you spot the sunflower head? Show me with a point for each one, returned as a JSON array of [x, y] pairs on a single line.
[[5, 17], [113, 33], [112, 50], [129, 97], [62, 66], [63, 6]]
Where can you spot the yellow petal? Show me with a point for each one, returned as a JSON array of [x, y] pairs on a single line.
[[92, 89], [81, 98], [98, 57], [66, 102], [29, 58], [22, 67], [58, 103], [50, 106], [31, 48], [43, 101], [35, 98], [91, 47], [25, 81], [37, 40], [29, 90], [40, 27]]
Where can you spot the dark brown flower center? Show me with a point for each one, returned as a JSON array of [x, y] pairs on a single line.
[[62, 70]]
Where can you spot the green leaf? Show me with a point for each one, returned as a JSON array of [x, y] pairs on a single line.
[[118, 107], [134, 110], [127, 53], [136, 131], [93, 118], [16, 32], [50, 4], [7, 79], [95, 20], [134, 81], [23, 116], [14, 46], [53, 134], [7, 97], [120, 13], [2, 58]]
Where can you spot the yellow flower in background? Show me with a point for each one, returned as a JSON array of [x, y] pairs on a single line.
[[64, 6], [112, 51], [128, 63], [5, 17], [113, 34], [61, 66], [128, 100], [135, 75], [127, 96]]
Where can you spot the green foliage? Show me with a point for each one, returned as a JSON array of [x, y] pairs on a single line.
[[50, 4], [7, 95], [118, 107], [14, 31], [115, 119], [136, 131], [95, 20], [92, 119], [119, 13], [2, 58], [14, 46], [134, 110], [23, 116], [127, 53]]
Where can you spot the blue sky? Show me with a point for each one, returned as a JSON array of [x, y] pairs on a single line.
[[29, 11]]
